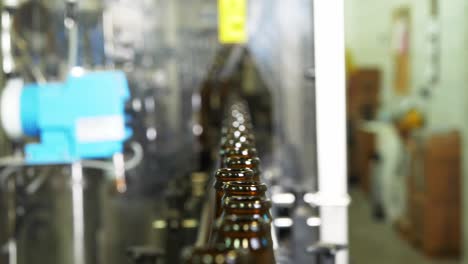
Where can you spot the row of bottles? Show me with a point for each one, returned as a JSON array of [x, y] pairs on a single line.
[[240, 229]]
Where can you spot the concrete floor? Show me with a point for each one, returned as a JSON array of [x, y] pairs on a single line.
[[374, 242]]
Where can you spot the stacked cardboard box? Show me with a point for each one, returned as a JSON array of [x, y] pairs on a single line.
[[435, 195], [363, 154], [362, 104], [363, 94]]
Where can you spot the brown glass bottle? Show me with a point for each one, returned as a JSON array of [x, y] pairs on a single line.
[[240, 124], [245, 163], [243, 199], [225, 175], [237, 143], [240, 107], [248, 206], [228, 128], [254, 206], [256, 189], [238, 114], [218, 254], [237, 109], [246, 232], [240, 120], [239, 136], [236, 152]]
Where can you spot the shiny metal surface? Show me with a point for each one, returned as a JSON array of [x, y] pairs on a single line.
[[78, 224], [166, 48]]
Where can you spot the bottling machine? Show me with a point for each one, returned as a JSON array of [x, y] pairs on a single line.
[[111, 115]]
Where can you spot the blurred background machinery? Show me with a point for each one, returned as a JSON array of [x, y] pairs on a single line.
[[135, 188]]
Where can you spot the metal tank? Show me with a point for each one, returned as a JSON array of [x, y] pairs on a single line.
[[165, 47]]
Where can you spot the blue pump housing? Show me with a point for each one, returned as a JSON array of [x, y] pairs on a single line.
[[83, 118]]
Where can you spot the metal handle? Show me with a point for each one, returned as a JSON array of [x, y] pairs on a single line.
[[326, 251], [145, 255]]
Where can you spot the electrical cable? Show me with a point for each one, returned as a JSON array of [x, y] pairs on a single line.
[[36, 184], [12, 164], [138, 156], [9, 161], [6, 173], [108, 166]]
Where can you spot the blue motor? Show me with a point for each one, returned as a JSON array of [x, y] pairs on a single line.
[[83, 118]]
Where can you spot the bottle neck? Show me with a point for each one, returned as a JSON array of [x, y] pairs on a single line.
[[246, 211], [260, 194]]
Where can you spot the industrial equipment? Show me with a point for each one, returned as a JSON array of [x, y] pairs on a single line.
[[83, 118], [112, 113]]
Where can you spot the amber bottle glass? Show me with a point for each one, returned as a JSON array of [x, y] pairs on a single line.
[[249, 233], [218, 254], [229, 129], [254, 206], [245, 163], [237, 143], [243, 199], [256, 189], [225, 175], [240, 137], [230, 152]]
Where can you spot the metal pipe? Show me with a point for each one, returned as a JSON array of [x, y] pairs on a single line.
[[12, 251], [331, 120], [71, 25], [78, 214], [8, 62], [119, 167]]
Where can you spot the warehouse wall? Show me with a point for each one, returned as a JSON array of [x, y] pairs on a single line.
[[452, 97], [368, 35], [368, 25]]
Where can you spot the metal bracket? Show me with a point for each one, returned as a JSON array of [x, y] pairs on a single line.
[[319, 199], [145, 255], [327, 251]]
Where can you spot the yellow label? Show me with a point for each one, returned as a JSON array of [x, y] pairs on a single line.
[[232, 21]]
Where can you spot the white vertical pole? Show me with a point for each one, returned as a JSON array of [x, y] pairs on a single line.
[[172, 40], [79, 256], [12, 251], [71, 24], [331, 121]]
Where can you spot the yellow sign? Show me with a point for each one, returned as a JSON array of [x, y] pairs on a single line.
[[232, 21]]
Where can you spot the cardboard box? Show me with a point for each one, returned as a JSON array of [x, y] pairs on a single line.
[[441, 230], [364, 152], [434, 195], [442, 168], [363, 94]]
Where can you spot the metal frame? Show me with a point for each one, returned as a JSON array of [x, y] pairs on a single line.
[[77, 185], [331, 120]]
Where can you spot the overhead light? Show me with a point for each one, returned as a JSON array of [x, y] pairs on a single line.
[[159, 224], [190, 223], [319, 199], [283, 222], [283, 198], [197, 129], [77, 71], [314, 221], [151, 133]]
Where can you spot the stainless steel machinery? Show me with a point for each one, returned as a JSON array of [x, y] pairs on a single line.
[[290, 72]]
